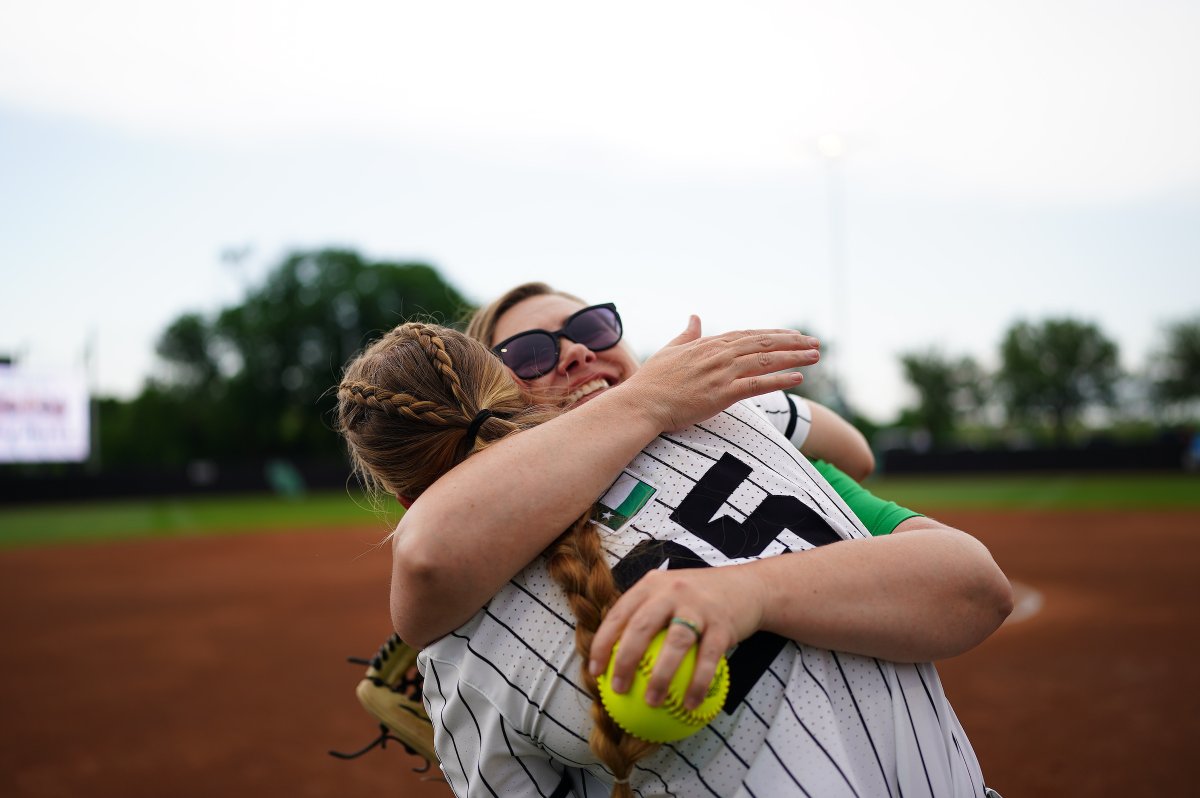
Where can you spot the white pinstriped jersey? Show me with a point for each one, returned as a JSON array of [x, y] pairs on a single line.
[[511, 715]]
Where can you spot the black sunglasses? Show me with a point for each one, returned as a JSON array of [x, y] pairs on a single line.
[[532, 353]]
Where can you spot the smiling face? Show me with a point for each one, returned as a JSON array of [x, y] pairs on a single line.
[[580, 374]]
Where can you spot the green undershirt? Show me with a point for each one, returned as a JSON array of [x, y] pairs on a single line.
[[878, 516]]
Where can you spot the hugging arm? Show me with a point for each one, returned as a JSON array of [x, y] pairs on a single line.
[[473, 529], [924, 592]]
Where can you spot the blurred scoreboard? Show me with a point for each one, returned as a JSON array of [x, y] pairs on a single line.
[[44, 416]]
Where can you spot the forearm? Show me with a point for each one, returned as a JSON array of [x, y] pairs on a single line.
[[477, 526], [925, 592]]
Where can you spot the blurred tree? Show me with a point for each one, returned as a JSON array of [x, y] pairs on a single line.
[[1056, 369], [255, 380], [159, 427], [185, 347], [947, 390], [1176, 368]]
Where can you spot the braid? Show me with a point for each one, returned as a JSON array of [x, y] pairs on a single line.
[[435, 348], [576, 561], [398, 404]]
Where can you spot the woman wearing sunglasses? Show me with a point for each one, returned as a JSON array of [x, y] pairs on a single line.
[[515, 326], [915, 597]]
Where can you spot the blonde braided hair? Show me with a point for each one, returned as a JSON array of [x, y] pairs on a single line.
[[404, 413], [403, 404], [435, 347], [404, 407], [576, 561]]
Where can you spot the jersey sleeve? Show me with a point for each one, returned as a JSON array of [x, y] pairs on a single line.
[[790, 414], [473, 738], [879, 516]]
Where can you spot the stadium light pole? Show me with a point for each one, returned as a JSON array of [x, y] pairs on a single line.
[[832, 149]]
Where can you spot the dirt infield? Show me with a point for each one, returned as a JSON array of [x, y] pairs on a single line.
[[216, 666]]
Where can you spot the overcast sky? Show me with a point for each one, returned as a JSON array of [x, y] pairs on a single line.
[[1001, 161]]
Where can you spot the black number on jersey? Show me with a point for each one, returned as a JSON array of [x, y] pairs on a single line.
[[735, 539], [749, 538]]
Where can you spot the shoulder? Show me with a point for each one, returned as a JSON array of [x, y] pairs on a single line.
[[790, 414]]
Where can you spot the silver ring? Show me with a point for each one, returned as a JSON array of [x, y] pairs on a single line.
[[695, 627]]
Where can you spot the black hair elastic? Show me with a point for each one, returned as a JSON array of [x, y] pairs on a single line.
[[477, 422]]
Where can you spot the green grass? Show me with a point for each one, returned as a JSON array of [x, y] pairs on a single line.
[[156, 518], [1043, 491], [173, 517]]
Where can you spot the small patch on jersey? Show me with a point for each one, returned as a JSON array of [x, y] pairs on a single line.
[[622, 501]]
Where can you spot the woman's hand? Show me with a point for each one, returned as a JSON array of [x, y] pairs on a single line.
[[724, 603], [693, 378]]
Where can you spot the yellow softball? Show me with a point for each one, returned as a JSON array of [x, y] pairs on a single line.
[[669, 721]]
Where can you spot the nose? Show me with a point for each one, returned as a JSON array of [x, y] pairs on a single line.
[[572, 354]]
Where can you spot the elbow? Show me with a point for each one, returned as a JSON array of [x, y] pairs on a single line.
[[983, 610], [864, 464], [406, 622], [864, 458], [413, 586], [992, 605], [1002, 600], [993, 594], [995, 589], [986, 592]]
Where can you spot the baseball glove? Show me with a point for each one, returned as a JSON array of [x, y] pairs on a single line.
[[391, 692]]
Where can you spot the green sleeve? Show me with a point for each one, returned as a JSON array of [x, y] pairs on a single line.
[[878, 516]]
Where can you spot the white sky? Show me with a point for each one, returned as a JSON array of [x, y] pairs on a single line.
[[1003, 161]]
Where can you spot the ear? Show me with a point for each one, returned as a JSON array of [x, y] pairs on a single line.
[[405, 502]]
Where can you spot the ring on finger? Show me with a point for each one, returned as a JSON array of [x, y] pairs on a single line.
[[692, 625]]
